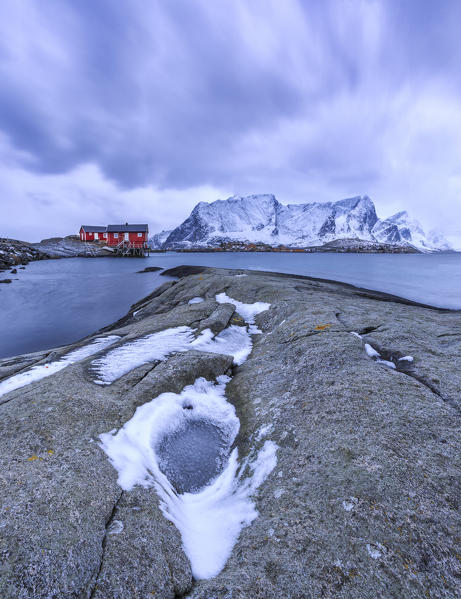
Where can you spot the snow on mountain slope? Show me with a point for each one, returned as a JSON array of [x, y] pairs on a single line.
[[401, 228], [236, 218], [404, 229], [262, 219], [438, 241], [157, 240]]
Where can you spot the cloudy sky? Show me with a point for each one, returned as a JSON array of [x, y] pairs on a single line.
[[134, 110]]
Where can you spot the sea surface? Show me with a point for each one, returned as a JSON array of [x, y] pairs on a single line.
[[55, 302]]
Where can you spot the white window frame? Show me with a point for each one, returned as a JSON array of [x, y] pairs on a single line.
[[139, 234], [115, 235], [96, 236]]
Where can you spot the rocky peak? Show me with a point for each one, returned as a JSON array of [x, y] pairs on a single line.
[[261, 218]]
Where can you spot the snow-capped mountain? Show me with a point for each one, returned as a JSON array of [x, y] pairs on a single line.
[[401, 228], [156, 241], [262, 219], [437, 240]]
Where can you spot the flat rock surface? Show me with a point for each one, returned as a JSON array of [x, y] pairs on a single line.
[[70, 246], [363, 502]]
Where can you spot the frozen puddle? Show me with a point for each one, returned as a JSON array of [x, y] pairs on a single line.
[[192, 455], [43, 370], [180, 444], [234, 341]]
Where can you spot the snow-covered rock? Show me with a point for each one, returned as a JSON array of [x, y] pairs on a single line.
[[262, 219], [156, 241], [14, 252], [401, 228]]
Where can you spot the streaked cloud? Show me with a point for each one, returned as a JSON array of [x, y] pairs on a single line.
[[135, 110]]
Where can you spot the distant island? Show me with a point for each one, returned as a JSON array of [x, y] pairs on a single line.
[[338, 246], [255, 223], [262, 223]]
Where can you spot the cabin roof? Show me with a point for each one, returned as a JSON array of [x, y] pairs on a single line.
[[126, 228], [93, 229]]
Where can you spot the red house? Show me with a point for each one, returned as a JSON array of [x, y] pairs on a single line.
[[92, 233], [133, 236]]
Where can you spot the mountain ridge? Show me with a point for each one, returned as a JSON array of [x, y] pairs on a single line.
[[262, 219]]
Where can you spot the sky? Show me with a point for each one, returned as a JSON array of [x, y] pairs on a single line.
[[136, 111]]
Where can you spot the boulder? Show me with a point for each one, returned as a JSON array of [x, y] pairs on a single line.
[[150, 269]]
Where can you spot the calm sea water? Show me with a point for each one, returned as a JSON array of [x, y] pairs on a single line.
[[55, 302]]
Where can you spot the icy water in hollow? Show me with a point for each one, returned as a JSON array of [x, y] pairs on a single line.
[[55, 302], [193, 455]]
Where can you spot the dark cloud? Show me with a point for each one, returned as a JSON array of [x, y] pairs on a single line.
[[300, 97], [148, 90]]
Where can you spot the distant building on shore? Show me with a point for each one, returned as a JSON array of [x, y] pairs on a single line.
[[135, 234], [92, 233], [124, 238]]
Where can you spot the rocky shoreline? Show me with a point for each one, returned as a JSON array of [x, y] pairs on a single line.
[[14, 254], [71, 247], [358, 390], [341, 246]]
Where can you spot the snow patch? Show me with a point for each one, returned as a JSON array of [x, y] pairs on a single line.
[[350, 504], [44, 370], [115, 527], [130, 355], [263, 431], [386, 363], [371, 352], [234, 341], [246, 311], [376, 550], [195, 300], [211, 520], [376, 356], [254, 330], [406, 359]]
